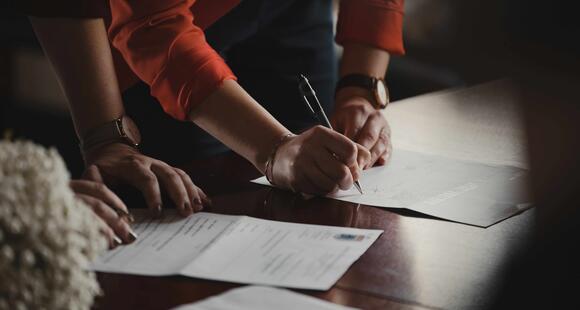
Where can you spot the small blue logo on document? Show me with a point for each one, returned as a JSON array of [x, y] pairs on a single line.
[[349, 237]]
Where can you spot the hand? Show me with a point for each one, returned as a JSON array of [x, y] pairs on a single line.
[[318, 161], [119, 163], [102, 201], [356, 118]]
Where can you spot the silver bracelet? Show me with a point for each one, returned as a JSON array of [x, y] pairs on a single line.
[[269, 172]]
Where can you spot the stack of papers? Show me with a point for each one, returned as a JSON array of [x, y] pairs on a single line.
[[463, 191], [239, 249], [261, 298]]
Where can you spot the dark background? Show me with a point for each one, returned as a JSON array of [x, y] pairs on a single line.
[[450, 43]]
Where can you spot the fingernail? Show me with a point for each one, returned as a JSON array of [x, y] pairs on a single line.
[[187, 206], [127, 218], [130, 218], [117, 241], [207, 202], [157, 211], [132, 236], [198, 204]]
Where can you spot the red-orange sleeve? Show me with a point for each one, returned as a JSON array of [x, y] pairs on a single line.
[[166, 50], [378, 23]]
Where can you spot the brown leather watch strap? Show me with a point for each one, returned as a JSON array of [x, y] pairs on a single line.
[[375, 86], [122, 130]]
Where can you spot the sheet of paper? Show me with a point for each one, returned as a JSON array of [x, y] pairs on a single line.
[[462, 191], [239, 249], [261, 298], [165, 246]]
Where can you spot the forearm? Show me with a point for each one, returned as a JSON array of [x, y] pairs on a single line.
[[364, 59], [235, 118], [80, 54]]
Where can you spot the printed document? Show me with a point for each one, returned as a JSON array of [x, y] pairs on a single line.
[[463, 191], [239, 249], [261, 298]]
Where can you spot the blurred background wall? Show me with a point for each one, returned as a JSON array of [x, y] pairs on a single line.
[[450, 43]]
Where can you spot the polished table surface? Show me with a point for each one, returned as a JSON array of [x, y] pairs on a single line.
[[418, 262]]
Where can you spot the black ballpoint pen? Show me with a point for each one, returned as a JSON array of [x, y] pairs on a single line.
[[309, 96]]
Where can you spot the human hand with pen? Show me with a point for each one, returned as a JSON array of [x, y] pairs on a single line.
[[361, 95], [355, 117], [318, 161]]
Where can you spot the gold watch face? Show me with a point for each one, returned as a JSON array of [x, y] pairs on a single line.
[[381, 94]]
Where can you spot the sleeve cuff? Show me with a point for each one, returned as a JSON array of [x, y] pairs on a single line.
[[188, 80], [381, 27]]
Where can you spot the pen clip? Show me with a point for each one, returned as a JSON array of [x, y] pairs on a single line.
[[307, 91], [309, 105]]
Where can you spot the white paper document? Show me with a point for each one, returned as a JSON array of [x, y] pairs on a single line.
[[462, 191], [239, 249], [261, 298]]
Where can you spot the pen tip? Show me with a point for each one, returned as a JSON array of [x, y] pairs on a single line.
[[357, 185]]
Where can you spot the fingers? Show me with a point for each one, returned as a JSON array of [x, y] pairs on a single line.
[[92, 173], [314, 183], [118, 226], [363, 156], [337, 144], [379, 149], [99, 191], [374, 136], [371, 131], [339, 175], [173, 184], [323, 183], [109, 234], [196, 196], [139, 175], [386, 156], [149, 176], [354, 124]]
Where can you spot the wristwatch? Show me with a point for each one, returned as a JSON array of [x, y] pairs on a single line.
[[377, 87], [122, 130]]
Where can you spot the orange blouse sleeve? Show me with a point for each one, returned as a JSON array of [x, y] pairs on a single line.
[[166, 50], [377, 23]]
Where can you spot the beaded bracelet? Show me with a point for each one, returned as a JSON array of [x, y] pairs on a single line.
[[269, 172]]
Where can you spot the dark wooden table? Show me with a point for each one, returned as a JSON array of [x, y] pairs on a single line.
[[419, 262]]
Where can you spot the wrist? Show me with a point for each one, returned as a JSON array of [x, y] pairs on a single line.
[[268, 164], [347, 94], [371, 88], [120, 130], [115, 149]]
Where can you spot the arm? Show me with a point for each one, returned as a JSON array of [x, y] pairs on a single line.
[[354, 114], [317, 161], [79, 48], [193, 83], [79, 52], [368, 43]]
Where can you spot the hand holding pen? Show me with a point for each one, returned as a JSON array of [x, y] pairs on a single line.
[[318, 161], [311, 100]]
